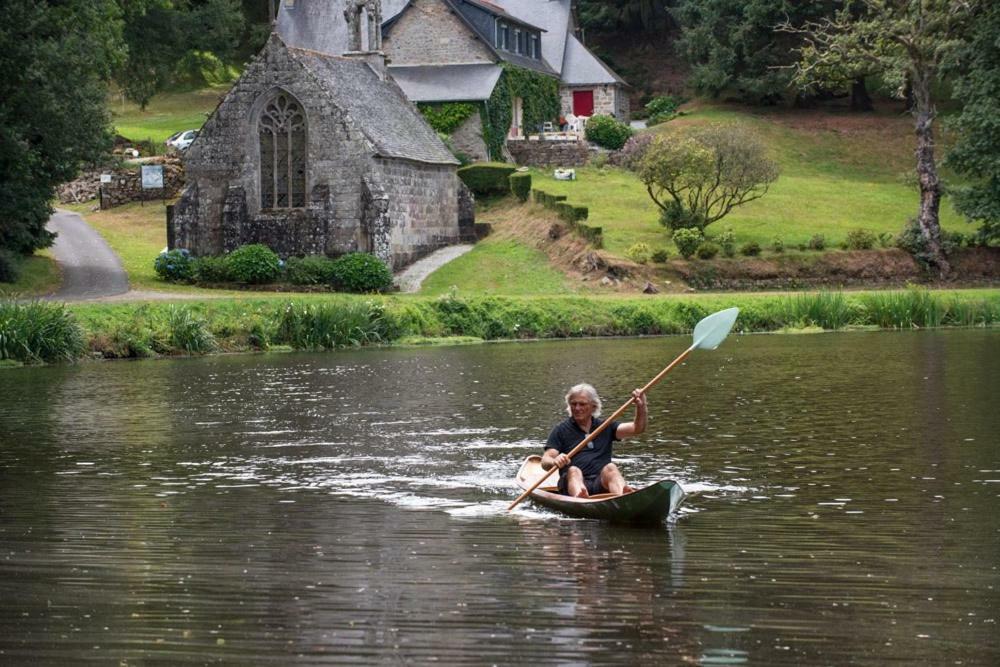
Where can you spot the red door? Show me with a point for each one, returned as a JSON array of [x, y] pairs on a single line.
[[583, 103]]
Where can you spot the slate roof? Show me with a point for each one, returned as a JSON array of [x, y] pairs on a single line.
[[319, 25], [581, 67], [390, 121], [447, 83]]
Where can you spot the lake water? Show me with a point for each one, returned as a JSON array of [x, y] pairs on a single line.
[[350, 507]]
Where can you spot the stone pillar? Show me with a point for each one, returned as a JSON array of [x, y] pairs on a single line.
[[376, 221]]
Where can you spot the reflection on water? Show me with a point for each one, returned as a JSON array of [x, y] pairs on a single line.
[[351, 507]]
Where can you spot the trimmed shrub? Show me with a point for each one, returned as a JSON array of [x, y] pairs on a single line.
[[39, 332], [707, 250], [10, 266], [210, 269], [687, 241], [660, 255], [638, 253], [360, 272], [175, 266], [607, 132], [520, 184], [309, 270], [486, 178], [254, 264], [860, 239], [750, 249]]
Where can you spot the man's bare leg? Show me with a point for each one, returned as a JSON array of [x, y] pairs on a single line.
[[574, 483], [613, 481]]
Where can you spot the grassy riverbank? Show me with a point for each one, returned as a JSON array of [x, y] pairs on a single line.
[[51, 332]]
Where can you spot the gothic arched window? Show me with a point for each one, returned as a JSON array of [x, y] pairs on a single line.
[[282, 134]]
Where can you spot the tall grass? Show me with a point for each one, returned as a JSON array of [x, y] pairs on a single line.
[[325, 326], [39, 332], [323, 323]]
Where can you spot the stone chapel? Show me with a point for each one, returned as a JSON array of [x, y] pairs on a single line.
[[311, 153]]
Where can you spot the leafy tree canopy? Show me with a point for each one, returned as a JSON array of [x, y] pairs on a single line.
[[976, 153], [732, 45], [55, 59]]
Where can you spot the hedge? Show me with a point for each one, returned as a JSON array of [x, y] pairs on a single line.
[[485, 178]]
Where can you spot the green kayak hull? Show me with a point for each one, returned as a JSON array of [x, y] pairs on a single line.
[[648, 505]]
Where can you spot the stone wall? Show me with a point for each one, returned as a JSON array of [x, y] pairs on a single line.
[[423, 207], [548, 152], [428, 33], [125, 185], [609, 100], [468, 139]]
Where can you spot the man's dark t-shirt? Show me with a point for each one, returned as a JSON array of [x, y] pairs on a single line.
[[592, 458]]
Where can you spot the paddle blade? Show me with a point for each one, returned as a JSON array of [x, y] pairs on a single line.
[[711, 331]]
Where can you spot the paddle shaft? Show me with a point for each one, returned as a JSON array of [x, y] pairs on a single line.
[[593, 434]]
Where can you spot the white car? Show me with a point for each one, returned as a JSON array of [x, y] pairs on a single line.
[[181, 140]]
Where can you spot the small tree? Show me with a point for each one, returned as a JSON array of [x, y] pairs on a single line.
[[700, 177]]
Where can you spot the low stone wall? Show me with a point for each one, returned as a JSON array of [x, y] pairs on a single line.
[[125, 185], [549, 152]]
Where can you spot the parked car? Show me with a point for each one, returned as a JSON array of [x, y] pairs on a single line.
[[181, 140]]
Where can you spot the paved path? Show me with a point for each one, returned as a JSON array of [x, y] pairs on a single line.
[[90, 268], [411, 278]]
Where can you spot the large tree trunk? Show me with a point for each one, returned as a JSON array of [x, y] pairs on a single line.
[[930, 184], [860, 99]]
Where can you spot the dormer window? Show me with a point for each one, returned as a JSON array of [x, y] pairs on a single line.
[[533, 50], [518, 41], [503, 36]]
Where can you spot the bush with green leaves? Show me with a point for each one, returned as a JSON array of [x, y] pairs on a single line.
[[817, 242], [520, 184], [674, 216], [727, 241], [750, 249], [607, 132], [707, 250], [211, 269], [687, 240], [638, 253], [253, 264], [487, 178], [860, 239], [10, 266], [661, 109], [309, 270], [660, 255], [175, 265], [777, 245], [361, 272], [631, 153]]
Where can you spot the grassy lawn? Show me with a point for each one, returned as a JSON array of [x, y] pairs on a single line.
[[838, 172], [500, 266], [167, 113], [39, 276]]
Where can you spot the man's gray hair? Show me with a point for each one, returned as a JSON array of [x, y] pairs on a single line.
[[589, 392]]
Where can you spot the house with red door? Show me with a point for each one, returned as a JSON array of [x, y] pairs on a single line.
[[444, 51]]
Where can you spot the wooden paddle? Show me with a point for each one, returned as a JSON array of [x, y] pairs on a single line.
[[708, 335]]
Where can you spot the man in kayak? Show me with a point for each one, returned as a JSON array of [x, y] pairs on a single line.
[[591, 470]]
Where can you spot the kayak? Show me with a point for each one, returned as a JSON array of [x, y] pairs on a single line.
[[650, 504]]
